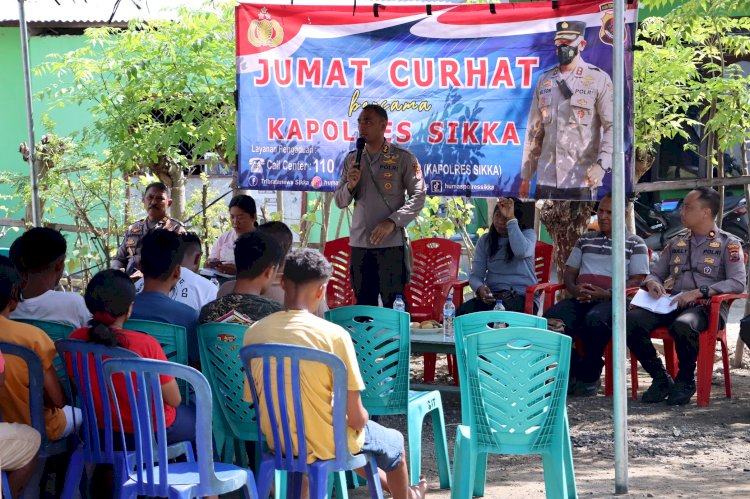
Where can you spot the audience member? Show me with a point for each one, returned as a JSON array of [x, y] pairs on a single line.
[[156, 200], [243, 215], [60, 419], [704, 262], [110, 296], [587, 316], [304, 282], [503, 265], [191, 289], [39, 256], [19, 445], [161, 255], [257, 256]]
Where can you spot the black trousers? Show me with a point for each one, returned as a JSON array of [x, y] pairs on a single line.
[[378, 272], [684, 326], [745, 330], [591, 324], [514, 303]]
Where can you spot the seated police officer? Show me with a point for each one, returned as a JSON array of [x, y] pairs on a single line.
[[703, 262]]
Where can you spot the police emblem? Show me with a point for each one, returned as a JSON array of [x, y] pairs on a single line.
[[387, 174], [581, 113], [681, 244], [389, 159], [677, 260], [706, 270], [714, 244], [388, 186], [711, 234], [264, 31], [579, 71], [710, 260], [607, 31]]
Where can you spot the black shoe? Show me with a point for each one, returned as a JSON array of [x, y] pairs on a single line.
[[681, 393], [659, 390], [588, 389], [572, 385]]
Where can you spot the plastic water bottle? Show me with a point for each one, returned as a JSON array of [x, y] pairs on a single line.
[[499, 307], [398, 304], [449, 311]]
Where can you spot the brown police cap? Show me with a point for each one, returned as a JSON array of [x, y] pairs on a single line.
[[570, 30]]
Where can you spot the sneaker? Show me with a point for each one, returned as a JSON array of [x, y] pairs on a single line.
[[681, 393], [659, 390], [588, 389]]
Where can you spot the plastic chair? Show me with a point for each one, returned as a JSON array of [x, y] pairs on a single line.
[[339, 292], [285, 360], [234, 419], [56, 331], [47, 447], [149, 471], [513, 402], [381, 341], [6, 485], [87, 382]]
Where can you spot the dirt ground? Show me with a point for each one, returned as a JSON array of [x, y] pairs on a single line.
[[689, 451]]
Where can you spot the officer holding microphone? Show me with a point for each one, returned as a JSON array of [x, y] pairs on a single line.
[[385, 182]]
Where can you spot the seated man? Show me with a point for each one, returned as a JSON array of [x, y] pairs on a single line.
[[304, 282], [161, 254], [156, 201], [191, 289], [588, 315], [704, 262], [39, 256], [257, 256], [60, 419], [19, 444]]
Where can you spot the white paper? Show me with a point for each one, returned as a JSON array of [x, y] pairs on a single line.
[[663, 305]]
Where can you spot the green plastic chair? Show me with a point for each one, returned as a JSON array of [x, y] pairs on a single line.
[[513, 402], [381, 341], [4, 251], [172, 338], [56, 331]]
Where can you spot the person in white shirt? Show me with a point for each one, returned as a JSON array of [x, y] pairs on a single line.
[[192, 289], [244, 217], [39, 256]]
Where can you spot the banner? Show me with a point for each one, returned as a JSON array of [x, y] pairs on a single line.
[[504, 99]]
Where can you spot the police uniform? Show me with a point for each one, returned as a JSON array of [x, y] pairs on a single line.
[[687, 263], [568, 130], [396, 173], [129, 252]]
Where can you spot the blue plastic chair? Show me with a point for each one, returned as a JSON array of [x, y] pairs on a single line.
[[36, 398], [6, 485], [382, 344], [513, 402], [149, 471], [285, 360]]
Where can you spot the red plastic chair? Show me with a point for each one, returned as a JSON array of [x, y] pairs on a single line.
[[339, 292], [434, 272]]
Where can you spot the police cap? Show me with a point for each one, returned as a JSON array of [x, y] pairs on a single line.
[[570, 30]]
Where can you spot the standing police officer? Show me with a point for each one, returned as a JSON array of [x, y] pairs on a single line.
[[382, 210], [569, 128], [704, 262], [156, 200]]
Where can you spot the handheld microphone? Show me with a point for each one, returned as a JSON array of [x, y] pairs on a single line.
[[360, 147]]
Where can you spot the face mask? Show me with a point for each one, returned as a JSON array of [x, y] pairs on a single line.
[[566, 54]]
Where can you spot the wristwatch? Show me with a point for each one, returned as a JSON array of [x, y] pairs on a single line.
[[704, 291]]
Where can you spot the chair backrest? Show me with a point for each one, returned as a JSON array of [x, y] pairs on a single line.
[[219, 346], [284, 361], [339, 292], [515, 389], [36, 392], [84, 360], [381, 342], [543, 261], [56, 331], [149, 449], [435, 261]]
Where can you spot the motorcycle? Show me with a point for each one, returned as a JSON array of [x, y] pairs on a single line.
[[660, 222]]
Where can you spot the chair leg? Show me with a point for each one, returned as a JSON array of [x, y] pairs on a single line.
[[294, 485], [441, 445], [670, 357], [250, 491], [429, 367], [337, 481], [706, 351], [725, 363], [414, 435], [567, 458], [608, 371], [265, 476], [633, 376], [373, 479], [480, 474], [464, 464], [555, 484], [73, 475], [318, 482]]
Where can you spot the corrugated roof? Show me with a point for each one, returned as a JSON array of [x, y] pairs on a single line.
[[91, 11]]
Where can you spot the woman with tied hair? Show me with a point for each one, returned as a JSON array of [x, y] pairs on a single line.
[[109, 297], [243, 215], [503, 263]]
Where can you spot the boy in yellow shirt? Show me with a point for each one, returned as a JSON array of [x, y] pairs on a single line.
[[305, 276]]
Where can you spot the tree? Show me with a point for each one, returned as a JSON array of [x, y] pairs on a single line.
[[160, 93]]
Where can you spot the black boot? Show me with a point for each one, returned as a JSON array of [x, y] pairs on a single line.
[[662, 382], [683, 389]]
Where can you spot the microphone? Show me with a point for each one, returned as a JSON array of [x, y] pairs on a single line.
[[360, 147]]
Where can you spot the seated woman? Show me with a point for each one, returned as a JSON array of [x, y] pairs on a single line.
[[244, 217], [503, 263], [109, 297]]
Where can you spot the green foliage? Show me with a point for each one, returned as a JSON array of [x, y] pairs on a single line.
[[209, 223], [445, 217]]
